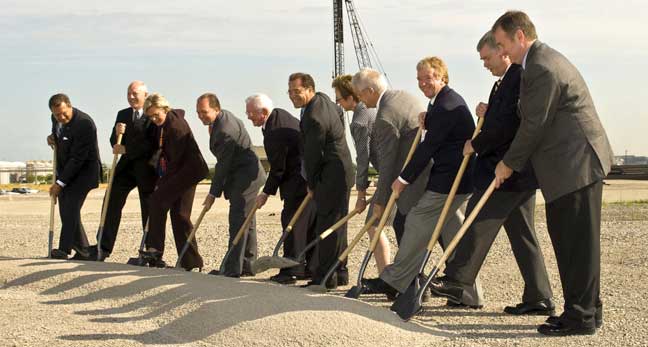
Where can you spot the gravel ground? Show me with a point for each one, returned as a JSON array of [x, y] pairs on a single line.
[[92, 304]]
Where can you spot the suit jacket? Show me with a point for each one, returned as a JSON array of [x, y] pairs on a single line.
[[394, 131], [138, 139], [449, 124], [238, 169], [500, 125], [560, 131], [77, 152], [185, 164], [361, 128], [285, 150], [327, 160]]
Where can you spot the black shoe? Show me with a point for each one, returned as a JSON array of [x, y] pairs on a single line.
[[544, 307], [81, 254], [93, 253], [561, 329], [306, 275], [153, 259], [446, 287], [378, 286], [454, 304], [284, 278], [342, 278], [598, 320], [58, 254]]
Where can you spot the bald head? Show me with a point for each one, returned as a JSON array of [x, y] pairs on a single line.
[[136, 94]]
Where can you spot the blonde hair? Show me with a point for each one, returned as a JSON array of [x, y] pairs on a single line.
[[436, 63], [157, 100]]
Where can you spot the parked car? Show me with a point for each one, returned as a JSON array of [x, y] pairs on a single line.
[[24, 190]]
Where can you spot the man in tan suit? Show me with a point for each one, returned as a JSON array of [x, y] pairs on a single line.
[[560, 132]]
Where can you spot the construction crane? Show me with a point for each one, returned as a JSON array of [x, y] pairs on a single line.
[[364, 49]]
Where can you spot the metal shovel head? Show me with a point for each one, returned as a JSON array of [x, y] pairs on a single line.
[[354, 292], [266, 263], [408, 304]]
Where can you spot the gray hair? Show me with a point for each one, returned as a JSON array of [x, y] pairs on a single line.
[[139, 86], [369, 78], [260, 101], [487, 40]]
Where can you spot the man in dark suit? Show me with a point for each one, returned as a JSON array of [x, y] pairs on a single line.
[[78, 168], [513, 205], [133, 169], [285, 150], [562, 135], [328, 170], [238, 176], [449, 124]]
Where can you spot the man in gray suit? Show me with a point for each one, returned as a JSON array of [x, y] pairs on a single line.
[[395, 129], [560, 132], [239, 176]]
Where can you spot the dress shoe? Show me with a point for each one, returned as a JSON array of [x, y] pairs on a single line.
[[554, 320], [454, 304], [58, 254], [93, 253], [446, 287], [342, 278], [544, 307], [306, 275], [81, 254], [284, 278], [331, 283], [561, 329], [378, 286], [153, 259]]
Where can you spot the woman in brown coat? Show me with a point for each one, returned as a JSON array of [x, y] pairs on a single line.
[[180, 167]]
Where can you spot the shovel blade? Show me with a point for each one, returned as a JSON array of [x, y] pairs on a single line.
[[408, 303], [266, 263], [354, 292]]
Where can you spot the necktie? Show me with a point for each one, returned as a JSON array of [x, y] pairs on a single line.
[[136, 116], [497, 85]]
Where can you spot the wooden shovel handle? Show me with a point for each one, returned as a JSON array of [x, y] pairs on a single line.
[[357, 238], [394, 196], [341, 222], [244, 227], [111, 176], [453, 191], [300, 210]]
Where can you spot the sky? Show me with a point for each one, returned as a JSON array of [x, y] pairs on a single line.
[[92, 50]]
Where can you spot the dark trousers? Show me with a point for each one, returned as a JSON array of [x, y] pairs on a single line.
[[139, 175], [329, 249], [574, 225], [178, 203], [399, 225], [245, 252], [302, 233], [515, 211], [70, 202]]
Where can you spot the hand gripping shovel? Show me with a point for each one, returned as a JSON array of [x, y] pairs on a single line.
[[275, 261], [410, 302], [139, 261], [322, 287], [239, 235], [357, 290], [104, 210], [407, 297], [191, 237], [50, 236], [301, 258]]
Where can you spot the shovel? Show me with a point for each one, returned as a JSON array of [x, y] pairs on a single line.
[[104, 210], [410, 302], [242, 231], [357, 290], [406, 298], [280, 263], [191, 236], [139, 261], [265, 263], [50, 237], [321, 288]]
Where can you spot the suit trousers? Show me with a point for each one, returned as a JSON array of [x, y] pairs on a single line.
[[419, 225], [245, 252], [574, 225], [329, 249], [178, 203], [302, 233], [514, 210], [73, 235], [136, 174]]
